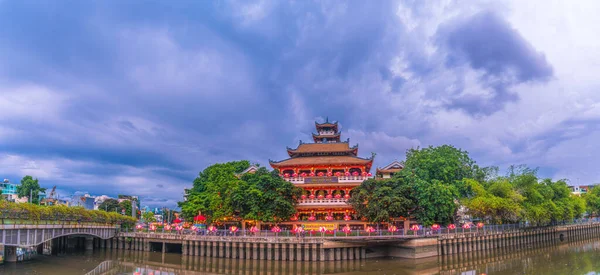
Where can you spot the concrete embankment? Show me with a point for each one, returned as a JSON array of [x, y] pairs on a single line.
[[336, 249]]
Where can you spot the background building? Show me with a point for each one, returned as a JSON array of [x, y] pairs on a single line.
[[9, 192]]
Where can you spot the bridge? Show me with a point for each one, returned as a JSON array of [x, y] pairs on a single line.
[[32, 235]]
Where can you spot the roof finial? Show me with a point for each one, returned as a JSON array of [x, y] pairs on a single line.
[[327, 119]]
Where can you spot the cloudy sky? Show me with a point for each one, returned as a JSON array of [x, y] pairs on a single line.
[[132, 97]]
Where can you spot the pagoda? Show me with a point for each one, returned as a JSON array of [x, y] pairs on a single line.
[[326, 170]]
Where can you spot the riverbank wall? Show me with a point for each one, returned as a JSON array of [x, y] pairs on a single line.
[[256, 248], [523, 238], [339, 249]]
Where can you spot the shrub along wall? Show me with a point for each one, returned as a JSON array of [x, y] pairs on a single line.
[[36, 213]]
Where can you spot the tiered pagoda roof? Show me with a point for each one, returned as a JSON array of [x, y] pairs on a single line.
[[326, 151], [323, 149]]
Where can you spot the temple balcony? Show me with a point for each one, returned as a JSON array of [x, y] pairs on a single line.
[[326, 180], [323, 202]]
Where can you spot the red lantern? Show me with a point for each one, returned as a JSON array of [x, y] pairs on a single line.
[[253, 229], [393, 228], [303, 197], [329, 218], [312, 218], [320, 197], [414, 227], [233, 229], [303, 175], [347, 174], [199, 218], [177, 220], [480, 225], [286, 175], [275, 229], [435, 227], [347, 196], [370, 229], [337, 174], [212, 228], [364, 174], [312, 196], [347, 229], [451, 226], [355, 173], [466, 226], [369, 174], [328, 196], [312, 174], [338, 196], [321, 174], [294, 218], [347, 218], [297, 230], [329, 174]]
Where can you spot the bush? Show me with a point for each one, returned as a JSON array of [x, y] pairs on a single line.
[[35, 213]]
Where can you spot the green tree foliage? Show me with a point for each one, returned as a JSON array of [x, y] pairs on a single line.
[[380, 200], [219, 192], [437, 175], [500, 203], [592, 200], [265, 196], [522, 196], [213, 190], [445, 164], [34, 213], [30, 186], [110, 205], [148, 216], [436, 181], [126, 205]]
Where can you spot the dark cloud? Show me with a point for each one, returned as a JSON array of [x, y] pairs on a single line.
[[488, 44], [153, 93]]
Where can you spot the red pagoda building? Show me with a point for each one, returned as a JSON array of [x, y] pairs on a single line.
[[326, 170]]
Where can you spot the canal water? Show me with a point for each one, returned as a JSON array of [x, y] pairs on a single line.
[[567, 258]]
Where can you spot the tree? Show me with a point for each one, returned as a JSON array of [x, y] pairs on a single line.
[[30, 187], [110, 205], [500, 203], [437, 177], [148, 216], [265, 196], [592, 200], [213, 190], [381, 200], [522, 196], [126, 205]]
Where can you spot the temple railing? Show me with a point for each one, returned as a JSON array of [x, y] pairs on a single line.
[[340, 201], [340, 179]]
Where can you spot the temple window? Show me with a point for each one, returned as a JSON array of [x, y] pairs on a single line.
[[352, 170]]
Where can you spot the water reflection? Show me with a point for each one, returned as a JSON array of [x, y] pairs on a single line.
[[573, 258]]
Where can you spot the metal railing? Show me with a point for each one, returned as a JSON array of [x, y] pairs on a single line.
[[381, 232]]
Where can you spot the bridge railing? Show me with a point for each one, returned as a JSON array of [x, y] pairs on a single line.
[[421, 232]]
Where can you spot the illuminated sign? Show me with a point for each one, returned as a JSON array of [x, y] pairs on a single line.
[[317, 226], [321, 180]]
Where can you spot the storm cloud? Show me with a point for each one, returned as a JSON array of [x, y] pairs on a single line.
[[137, 98]]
